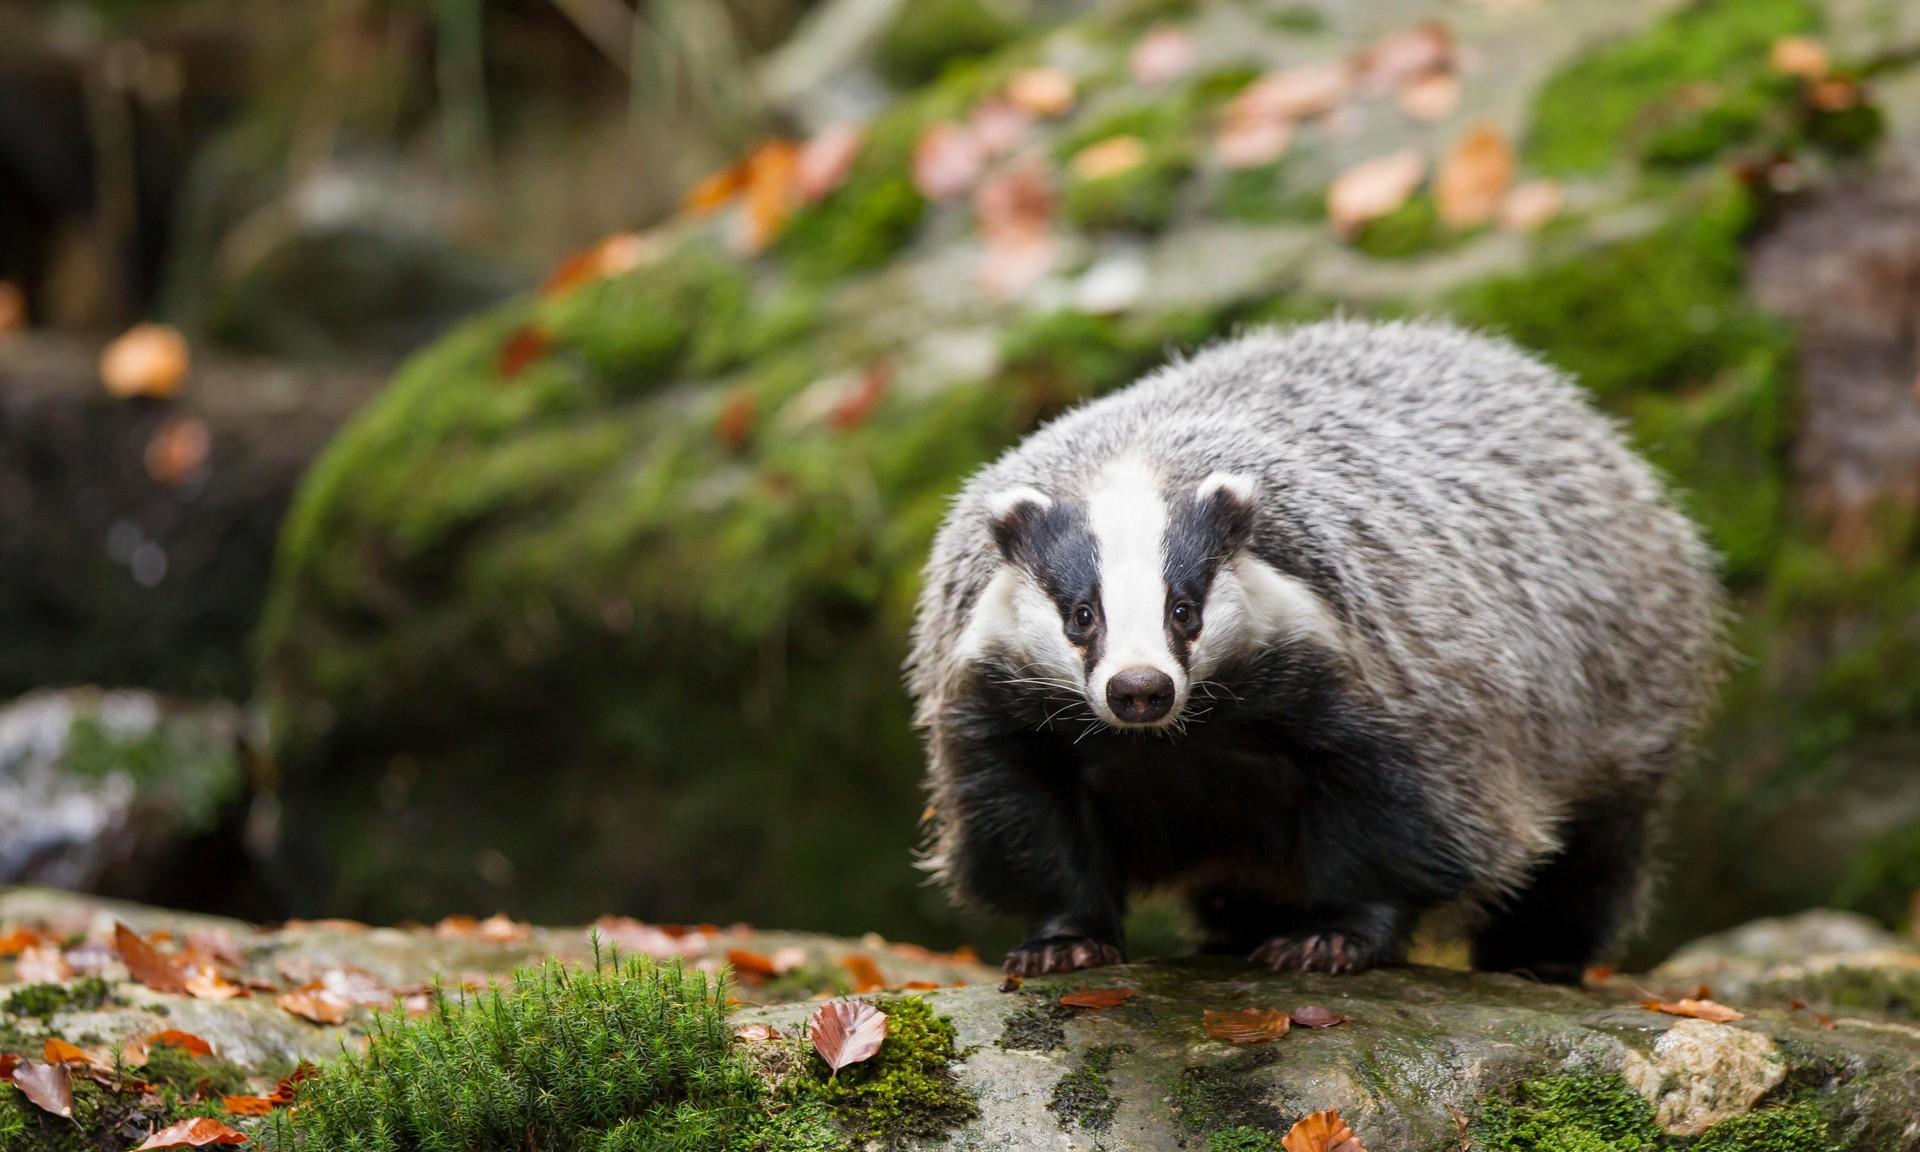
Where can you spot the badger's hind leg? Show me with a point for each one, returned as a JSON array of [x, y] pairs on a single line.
[[1338, 938], [1577, 902]]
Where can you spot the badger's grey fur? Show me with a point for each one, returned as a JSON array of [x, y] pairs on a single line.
[[1327, 626]]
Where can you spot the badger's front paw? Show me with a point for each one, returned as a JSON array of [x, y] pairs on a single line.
[[1060, 954], [1355, 941]]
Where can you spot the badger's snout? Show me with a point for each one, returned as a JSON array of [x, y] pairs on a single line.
[[1140, 695]]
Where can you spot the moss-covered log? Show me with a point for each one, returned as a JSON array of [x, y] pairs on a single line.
[[603, 599]]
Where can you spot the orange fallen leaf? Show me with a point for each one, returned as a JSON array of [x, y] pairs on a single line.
[[1401, 56], [865, 973], [773, 192], [1293, 94], [206, 983], [1164, 54], [715, 191], [753, 967], [313, 1002], [1597, 974], [526, 346], [178, 449], [1801, 56], [13, 308], [948, 159], [8, 1062], [826, 160], [1251, 141], [146, 965], [198, 1132], [283, 1092], [185, 1041], [146, 360], [846, 1032], [1374, 188], [1098, 997], [1314, 1016], [58, 1051], [614, 255], [1045, 92], [792, 958], [42, 964], [17, 941], [1698, 1009], [1015, 208], [500, 928], [924, 986], [48, 1086], [1321, 1132], [756, 1033], [1530, 206], [1430, 98], [1473, 178], [249, 1105], [1835, 94], [1110, 157], [1246, 1025]]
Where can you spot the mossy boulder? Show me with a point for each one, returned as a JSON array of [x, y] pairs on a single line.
[[601, 604]]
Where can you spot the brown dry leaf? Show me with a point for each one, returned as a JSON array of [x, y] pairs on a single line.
[[8, 1062], [1597, 974], [712, 193], [17, 941], [751, 967], [313, 1002], [198, 1132], [756, 1033], [948, 160], [1473, 179], [455, 927], [1531, 206], [206, 983], [178, 449], [925, 986], [1045, 92], [1164, 54], [1109, 157], [1374, 188], [1321, 1132], [1293, 94], [1404, 55], [1836, 94], [283, 1092], [1015, 209], [146, 965], [1314, 1016], [865, 973], [249, 1105], [500, 928], [773, 192], [528, 344], [185, 1041], [846, 1032], [1246, 1025], [614, 255], [58, 1051], [13, 308], [48, 1086], [1251, 142], [1801, 56], [1698, 1009], [146, 360], [42, 964], [1430, 98], [826, 160], [1098, 997]]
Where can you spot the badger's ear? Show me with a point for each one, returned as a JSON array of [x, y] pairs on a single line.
[[1012, 516], [1226, 500]]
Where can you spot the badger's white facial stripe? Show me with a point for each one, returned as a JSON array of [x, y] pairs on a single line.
[[1127, 516], [1253, 604], [1015, 618]]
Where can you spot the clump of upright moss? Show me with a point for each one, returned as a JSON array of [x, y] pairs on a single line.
[[1794, 1127], [626, 1055], [927, 36], [1579, 1113], [1084, 1096], [906, 1092], [45, 1001], [1242, 1138]]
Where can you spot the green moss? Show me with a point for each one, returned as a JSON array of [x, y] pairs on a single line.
[[1218, 1097], [689, 313], [46, 1001], [1625, 96], [860, 226], [623, 1056], [1266, 194], [1040, 1026], [906, 1093], [1411, 230], [171, 1086], [927, 36], [1796, 1127], [1299, 19], [1582, 1113], [1141, 198], [1084, 1097], [1242, 1138], [189, 771]]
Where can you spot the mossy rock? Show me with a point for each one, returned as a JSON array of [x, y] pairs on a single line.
[[605, 597]]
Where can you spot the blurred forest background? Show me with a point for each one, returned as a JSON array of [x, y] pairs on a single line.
[[472, 456]]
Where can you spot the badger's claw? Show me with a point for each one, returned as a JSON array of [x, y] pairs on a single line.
[[1060, 954], [1335, 952]]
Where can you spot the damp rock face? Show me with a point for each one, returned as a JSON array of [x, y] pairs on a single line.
[[1428, 1055]]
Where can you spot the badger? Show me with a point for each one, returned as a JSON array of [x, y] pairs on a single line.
[[1324, 628]]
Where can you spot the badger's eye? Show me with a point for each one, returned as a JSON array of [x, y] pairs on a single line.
[[1082, 616], [1185, 614]]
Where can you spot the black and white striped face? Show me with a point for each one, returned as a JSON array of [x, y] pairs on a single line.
[[1133, 596]]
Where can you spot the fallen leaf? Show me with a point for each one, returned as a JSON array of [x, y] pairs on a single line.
[[198, 1132], [1836, 94], [1820, 1018], [792, 958], [1374, 188], [1098, 997], [772, 192], [13, 308], [1698, 1009], [948, 160], [1801, 56], [283, 1092], [185, 1041], [502, 929], [846, 1032], [48, 1086], [206, 983], [1293, 94], [1401, 56], [1430, 98], [734, 426], [865, 973], [614, 255], [527, 345], [1163, 54], [146, 965], [756, 1033], [42, 964], [146, 360], [1015, 209], [8, 1062], [1597, 974], [1110, 157], [1321, 1132], [1473, 178], [826, 160], [1249, 142], [178, 449], [1045, 92], [1314, 1016], [58, 1051], [17, 941], [249, 1105], [712, 193], [1001, 126], [751, 966], [313, 1002], [1530, 206], [925, 986], [1245, 1025]]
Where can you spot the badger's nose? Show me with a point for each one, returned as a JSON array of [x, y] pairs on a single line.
[[1140, 695]]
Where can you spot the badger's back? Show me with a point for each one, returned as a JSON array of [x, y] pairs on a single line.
[[1513, 584]]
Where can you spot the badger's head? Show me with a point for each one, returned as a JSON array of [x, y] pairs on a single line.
[[1132, 596]]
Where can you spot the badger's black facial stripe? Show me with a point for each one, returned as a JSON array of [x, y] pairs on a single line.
[[1202, 534], [1054, 544]]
